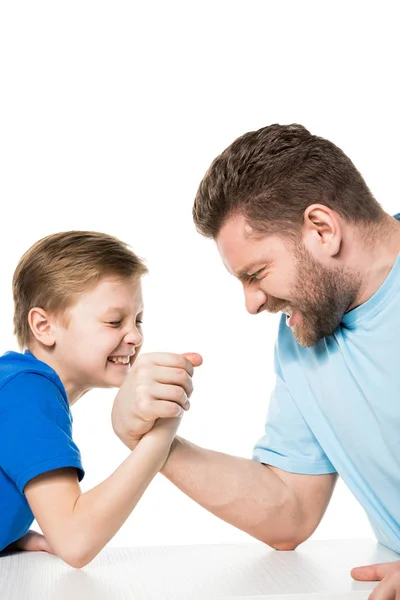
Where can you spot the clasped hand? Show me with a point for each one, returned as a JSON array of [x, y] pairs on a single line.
[[159, 385]]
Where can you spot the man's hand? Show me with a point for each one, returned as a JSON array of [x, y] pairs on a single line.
[[32, 542], [159, 385], [387, 573]]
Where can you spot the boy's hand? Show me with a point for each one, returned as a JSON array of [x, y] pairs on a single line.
[[32, 542], [159, 385]]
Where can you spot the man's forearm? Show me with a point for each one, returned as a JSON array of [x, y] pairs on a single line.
[[242, 492]]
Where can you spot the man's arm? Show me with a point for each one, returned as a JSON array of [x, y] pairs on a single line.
[[279, 508]]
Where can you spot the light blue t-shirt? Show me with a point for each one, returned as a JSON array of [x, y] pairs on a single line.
[[336, 407]]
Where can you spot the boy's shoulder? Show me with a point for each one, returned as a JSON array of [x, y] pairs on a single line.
[[13, 364]]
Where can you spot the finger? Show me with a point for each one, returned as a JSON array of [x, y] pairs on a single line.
[[373, 572], [34, 542], [172, 393], [388, 589], [173, 376], [165, 359], [195, 358], [162, 409]]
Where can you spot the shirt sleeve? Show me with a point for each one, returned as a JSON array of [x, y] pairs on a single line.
[[36, 429], [288, 443]]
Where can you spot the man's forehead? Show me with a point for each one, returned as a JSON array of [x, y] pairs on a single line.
[[240, 247]]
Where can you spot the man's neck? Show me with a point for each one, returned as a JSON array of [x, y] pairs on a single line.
[[377, 251]]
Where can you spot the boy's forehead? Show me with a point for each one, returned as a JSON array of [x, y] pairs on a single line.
[[114, 292]]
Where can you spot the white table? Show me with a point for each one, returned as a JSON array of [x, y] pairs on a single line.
[[317, 570]]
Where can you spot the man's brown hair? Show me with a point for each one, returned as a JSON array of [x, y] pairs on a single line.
[[60, 266], [272, 175]]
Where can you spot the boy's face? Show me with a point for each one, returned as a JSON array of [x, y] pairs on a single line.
[[100, 336]]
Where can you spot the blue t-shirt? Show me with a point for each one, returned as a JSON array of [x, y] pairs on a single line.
[[336, 407], [35, 436]]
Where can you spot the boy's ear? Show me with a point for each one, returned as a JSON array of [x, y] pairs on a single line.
[[41, 326]]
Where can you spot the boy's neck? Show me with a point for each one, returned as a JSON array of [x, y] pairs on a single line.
[[73, 391]]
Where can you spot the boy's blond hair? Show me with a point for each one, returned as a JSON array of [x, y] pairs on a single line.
[[60, 266]]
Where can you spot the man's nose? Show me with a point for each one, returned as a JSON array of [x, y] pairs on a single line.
[[254, 300]]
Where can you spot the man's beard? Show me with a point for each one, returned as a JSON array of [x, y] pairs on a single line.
[[321, 295]]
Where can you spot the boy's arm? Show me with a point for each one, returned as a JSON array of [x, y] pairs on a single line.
[[279, 508], [78, 525]]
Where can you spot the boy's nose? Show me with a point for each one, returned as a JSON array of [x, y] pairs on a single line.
[[134, 337]]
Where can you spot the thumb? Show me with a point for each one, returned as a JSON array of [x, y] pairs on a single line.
[[374, 572], [195, 358]]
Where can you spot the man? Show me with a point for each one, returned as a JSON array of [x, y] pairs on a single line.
[[294, 220]]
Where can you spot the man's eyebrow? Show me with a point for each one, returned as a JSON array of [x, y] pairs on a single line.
[[245, 272]]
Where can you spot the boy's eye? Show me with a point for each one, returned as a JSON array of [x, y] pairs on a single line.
[[139, 322]]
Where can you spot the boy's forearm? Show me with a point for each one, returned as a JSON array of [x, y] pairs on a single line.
[[242, 492], [100, 512]]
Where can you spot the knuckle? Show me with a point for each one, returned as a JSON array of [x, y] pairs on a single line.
[[141, 391], [140, 370], [172, 410], [179, 393], [143, 405], [181, 362], [396, 577]]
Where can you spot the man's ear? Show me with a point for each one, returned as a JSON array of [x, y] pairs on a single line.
[[41, 324], [322, 233]]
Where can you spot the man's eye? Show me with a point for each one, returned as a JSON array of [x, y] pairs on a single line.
[[139, 322], [253, 277]]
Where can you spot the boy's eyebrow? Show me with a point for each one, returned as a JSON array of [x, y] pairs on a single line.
[[112, 309]]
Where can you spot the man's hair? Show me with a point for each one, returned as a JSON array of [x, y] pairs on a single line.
[[272, 175], [60, 266]]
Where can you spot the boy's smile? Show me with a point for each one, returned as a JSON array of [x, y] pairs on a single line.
[[97, 340]]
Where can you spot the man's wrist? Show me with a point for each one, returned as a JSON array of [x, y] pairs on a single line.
[[177, 442]]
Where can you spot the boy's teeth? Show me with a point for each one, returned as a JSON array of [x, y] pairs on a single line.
[[124, 360]]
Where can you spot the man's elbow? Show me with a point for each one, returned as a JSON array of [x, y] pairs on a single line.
[[285, 546], [287, 542]]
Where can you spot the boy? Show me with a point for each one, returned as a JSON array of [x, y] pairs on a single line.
[[78, 315]]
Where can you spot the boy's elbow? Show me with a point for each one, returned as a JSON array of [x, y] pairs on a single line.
[[76, 561], [77, 556]]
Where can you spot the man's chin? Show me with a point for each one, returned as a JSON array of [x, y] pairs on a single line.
[[305, 342], [306, 339]]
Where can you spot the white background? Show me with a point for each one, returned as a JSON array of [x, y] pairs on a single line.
[[110, 114]]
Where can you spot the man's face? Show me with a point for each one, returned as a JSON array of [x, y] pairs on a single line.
[[99, 338], [279, 274]]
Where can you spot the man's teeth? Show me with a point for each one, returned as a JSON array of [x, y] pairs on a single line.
[[123, 360]]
